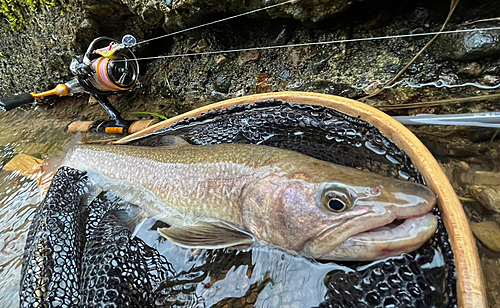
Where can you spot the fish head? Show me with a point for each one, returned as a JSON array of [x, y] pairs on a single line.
[[331, 212]]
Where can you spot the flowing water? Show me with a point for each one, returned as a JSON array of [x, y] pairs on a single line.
[[20, 196], [18, 200]]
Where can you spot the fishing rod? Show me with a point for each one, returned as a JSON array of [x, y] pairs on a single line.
[[482, 119]]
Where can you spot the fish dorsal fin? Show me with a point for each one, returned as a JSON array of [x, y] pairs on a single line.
[[171, 140], [207, 235]]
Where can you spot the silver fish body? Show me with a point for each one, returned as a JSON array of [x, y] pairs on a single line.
[[233, 195]]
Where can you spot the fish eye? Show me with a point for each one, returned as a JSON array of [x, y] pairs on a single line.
[[336, 200], [336, 205]]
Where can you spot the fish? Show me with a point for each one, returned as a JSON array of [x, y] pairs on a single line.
[[242, 195]]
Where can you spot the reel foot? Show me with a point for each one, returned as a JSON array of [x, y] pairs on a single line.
[[109, 127]]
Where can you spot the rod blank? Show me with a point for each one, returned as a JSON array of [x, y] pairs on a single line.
[[9, 103]]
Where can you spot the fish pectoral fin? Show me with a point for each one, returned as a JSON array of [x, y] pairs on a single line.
[[172, 140], [130, 215], [207, 235]]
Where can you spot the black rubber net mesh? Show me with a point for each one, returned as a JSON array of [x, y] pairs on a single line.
[[81, 255]]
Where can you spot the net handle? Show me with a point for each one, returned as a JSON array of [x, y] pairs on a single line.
[[471, 291]]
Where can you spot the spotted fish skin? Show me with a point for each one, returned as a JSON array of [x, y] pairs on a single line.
[[273, 195], [204, 181]]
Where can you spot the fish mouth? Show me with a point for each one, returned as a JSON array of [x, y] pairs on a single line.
[[397, 237]]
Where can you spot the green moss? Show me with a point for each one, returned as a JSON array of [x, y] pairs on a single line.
[[16, 10]]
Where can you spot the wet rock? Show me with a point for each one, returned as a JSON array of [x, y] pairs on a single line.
[[468, 46], [472, 69], [448, 78], [419, 15], [299, 54], [152, 16], [31, 65], [262, 83], [281, 31], [249, 56], [488, 196], [285, 75], [319, 61], [105, 9], [240, 92], [344, 90], [295, 85], [222, 83], [488, 232], [201, 46], [491, 80], [373, 87], [221, 60], [316, 85], [491, 271], [216, 96], [185, 13], [380, 20], [87, 30]]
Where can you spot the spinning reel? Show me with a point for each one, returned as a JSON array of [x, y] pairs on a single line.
[[99, 72]]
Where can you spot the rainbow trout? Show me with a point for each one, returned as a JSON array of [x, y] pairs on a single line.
[[235, 195]]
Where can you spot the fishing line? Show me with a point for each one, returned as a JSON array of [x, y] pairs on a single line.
[[217, 21], [318, 43]]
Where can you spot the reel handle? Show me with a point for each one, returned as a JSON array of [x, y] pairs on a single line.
[[9, 103]]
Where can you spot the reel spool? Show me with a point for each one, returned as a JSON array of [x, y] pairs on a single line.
[[113, 74]]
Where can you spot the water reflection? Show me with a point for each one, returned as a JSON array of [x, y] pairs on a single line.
[[18, 200], [263, 276]]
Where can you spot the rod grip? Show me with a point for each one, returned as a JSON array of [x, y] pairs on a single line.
[[79, 126], [9, 103], [109, 127]]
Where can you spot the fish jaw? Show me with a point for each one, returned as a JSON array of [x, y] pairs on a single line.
[[387, 241]]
